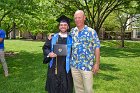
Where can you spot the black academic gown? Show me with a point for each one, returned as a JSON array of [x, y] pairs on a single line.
[[62, 81]]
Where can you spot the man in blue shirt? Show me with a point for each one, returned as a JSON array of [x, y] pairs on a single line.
[[85, 50], [2, 58]]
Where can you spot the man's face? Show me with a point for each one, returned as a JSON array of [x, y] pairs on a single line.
[[79, 19], [63, 27]]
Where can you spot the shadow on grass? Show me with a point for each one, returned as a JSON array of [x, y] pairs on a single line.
[[26, 69], [109, 68], [119, 52], [25, 61], [105, 76]]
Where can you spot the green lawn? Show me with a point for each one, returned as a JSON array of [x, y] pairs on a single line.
[[119, 69]]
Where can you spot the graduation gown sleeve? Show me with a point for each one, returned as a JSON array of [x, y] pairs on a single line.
[[46, 50]]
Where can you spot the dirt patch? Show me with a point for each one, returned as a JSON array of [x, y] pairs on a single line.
[[10, 53]]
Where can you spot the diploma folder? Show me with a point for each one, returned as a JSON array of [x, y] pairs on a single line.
[[60, 49]]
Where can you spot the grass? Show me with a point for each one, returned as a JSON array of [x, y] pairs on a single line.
[[119, 69], [27, 73]]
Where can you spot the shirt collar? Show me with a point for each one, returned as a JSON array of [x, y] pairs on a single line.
[[76, 28], [63, 35]]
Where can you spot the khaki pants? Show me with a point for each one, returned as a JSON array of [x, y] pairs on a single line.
[[83, 80], [2, 60]]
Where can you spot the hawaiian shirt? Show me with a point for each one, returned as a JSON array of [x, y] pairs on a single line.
[[84, 43]]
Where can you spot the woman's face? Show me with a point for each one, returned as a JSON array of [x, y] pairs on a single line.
[[63, 27]]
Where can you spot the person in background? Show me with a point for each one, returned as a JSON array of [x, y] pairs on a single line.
[[59, 78], [85, 50], [2, 57]]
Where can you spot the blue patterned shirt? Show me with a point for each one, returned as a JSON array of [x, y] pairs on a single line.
[[83, 46]]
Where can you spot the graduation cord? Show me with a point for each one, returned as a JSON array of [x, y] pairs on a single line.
[[56, 66], [56, 60]]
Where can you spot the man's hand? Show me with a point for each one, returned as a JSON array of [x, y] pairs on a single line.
[[95, 68], [52, 55], [50, 36]]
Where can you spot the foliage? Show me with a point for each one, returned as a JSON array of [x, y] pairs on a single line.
[[126, 17], [111, 23], [13, 10], [137, 22], [38, 16], [96, 10], [31, 15]]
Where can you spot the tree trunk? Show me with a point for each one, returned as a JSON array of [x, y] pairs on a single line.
[[32, 36], [7, 31], [42, 36], [14, 30], [122, 37], [7, 35]]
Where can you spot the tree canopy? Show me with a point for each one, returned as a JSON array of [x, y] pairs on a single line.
[[38, 16]]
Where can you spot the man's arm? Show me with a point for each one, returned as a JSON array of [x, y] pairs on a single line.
[[1, 40], [96, 51], [97, 55], [46, 50], [97, 58]]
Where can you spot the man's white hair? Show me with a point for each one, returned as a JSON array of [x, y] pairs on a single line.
[[80, 11]]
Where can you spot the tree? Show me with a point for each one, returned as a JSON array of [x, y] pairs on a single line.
[[33, 16], [96, 10], [126, 17], [13, 10], [111, 24]]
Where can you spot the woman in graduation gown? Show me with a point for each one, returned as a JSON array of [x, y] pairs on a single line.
[[59, 78]]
